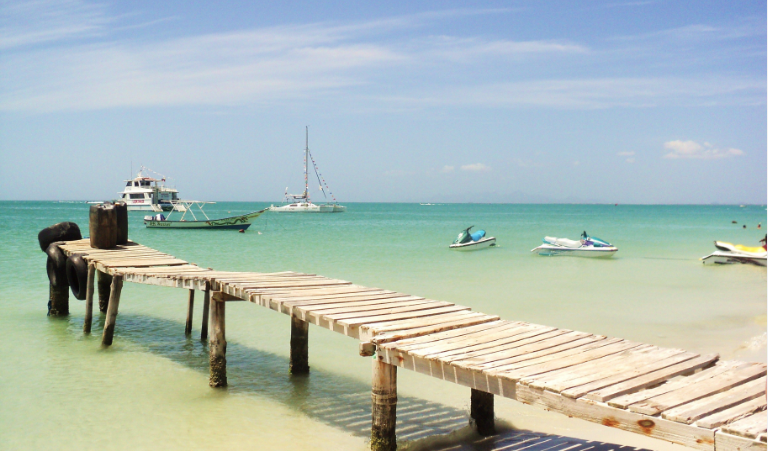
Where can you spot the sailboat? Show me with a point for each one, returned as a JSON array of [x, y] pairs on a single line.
[[301, 203]]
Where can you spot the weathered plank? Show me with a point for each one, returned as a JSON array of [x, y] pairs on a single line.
[[749, 427], [734, 413], [688, 413]]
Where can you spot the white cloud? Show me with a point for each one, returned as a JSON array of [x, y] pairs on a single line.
[[447, 169], [630, 160], [626, 154], [693, 150], [475, 167], [576, 163]]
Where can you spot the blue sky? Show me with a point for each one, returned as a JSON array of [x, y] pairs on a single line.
[[515, 101]]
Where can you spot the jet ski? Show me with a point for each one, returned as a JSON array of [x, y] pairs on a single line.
[[728, 253], [469, 241], [587, 246]]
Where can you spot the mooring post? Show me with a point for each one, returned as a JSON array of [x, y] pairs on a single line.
[[58, 301], [481, 412], [218, 342], [114, 303], [299, 346], [206, 306], [383, 406], [104, 282], [190, 309], [89, 298]]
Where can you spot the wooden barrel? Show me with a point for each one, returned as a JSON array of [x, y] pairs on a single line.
[[121, 210], [103, 226]]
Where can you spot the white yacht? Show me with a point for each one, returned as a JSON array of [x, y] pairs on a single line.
[[301, 203], [148, 193]]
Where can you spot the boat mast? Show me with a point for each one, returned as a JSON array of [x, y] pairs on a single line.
[[306, 164]]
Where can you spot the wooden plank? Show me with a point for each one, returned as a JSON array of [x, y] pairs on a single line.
[[143, 263], [749, 427], [683, 434], [359, 321], [370, 312], [408, 344], [701, 389], [624, 374], [363, 306], [548, 355], [463, 321], [650, 379], [728, 442], [482, 342], [734, 413], [623, 402], [688, 413]]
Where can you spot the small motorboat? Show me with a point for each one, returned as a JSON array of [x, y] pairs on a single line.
[[468, 241], [160, 221], [587, 246], [728, 253]]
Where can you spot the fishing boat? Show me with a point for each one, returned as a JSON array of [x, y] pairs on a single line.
[[185, 207], [301, 203], [145, 193], [587, 246], [728, 253], [468, 241]]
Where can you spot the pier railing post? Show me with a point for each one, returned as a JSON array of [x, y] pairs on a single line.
[[114, 303], [481, 412], [218, 342], [383, 406], [89, 299], [206, 307], [299, 346], [104, 285], [190, 309]]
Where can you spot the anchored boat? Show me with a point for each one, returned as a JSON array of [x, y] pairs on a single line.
[[467, 241], [587, 246], [728, 253], [145, 193], [159, 221], [301, 203]]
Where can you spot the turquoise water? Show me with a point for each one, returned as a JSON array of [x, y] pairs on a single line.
[[60, 390]]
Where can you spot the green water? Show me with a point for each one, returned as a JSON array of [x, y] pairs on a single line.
[[60, 390]]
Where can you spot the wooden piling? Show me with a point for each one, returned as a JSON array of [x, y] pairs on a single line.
[[58, 301], [206, 306], [89, 299], [481, 412], [383, 406], [299, 363], [218, 342], [114, 303], [104, 283], [190, 309]]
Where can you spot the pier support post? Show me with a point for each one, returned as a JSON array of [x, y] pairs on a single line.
[[383, 406], [114, 303], [89, 299], [206, 306], [481, 412], [58, 300], [218, 342], [190, 309], [299, 346], [104, 284]]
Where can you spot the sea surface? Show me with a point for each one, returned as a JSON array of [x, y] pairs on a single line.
[[60, 390]]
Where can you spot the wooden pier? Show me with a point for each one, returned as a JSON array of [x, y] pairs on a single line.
[[671, 394]]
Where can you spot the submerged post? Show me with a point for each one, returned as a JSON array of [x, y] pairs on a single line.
[[104, 285], [190, 309], [89, 298], [299, 346], [206, 306], [114, 303], [481, 412], [383, 406], [58, 301], [218, 342]]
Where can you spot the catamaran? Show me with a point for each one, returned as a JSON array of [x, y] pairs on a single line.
[[159, 221], [301, 203], [148, 193]]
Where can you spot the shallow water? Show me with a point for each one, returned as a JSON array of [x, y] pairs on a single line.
[[149, 390]]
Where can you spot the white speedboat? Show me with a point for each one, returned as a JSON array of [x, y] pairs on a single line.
[[148, 193], [159, 221], [587, 246], [467, 241], [301, 203], [728, 253]]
